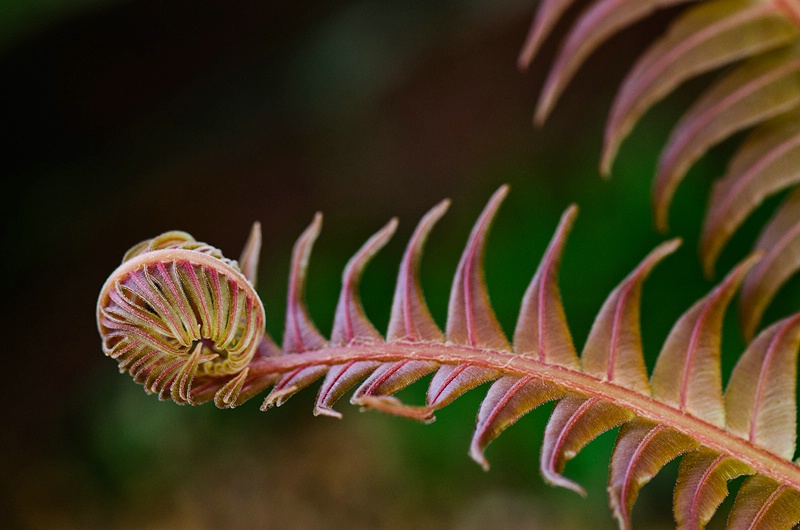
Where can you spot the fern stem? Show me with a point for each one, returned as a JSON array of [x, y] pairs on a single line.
[[644, 406]]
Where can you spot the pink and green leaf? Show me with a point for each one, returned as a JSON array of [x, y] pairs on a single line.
[[703, 38], [352, 325], [762, 88], [702, 485], [575, 422], [687, 374], [780, 243], [766, 163], [411, 319], [542, 329], [764, 504], [760, 400], [547, 15], [248, 262], [613, 351], [507, 400], [642, 449], [600, 21]]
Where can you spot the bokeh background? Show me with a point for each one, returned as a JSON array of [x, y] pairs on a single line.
[[127, 118]]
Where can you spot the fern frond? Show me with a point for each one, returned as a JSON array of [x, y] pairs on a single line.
[[679, 410], [780, 243], [762, 92]]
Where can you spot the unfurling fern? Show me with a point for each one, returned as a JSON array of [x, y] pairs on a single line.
[[186, 322], [762, 90]]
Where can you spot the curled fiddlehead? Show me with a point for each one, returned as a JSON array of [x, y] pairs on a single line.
[[177, 310]]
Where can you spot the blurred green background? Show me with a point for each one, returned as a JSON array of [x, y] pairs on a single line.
[[129, 118]]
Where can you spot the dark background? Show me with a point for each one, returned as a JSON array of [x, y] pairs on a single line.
[[125, 119]]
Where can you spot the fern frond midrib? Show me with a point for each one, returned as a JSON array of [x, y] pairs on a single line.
[[513, 364]]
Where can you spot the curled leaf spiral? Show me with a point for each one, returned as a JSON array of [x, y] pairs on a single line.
[[177, 313]]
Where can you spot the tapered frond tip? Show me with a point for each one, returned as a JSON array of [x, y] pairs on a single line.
[[277, 398], [547, 16], [780, 244], [316, 224], [300, 333], [558, 480], [392, 405], [248, 262], [410, 317], [327, 411], [470, 317], [542, 329], [476, 453]]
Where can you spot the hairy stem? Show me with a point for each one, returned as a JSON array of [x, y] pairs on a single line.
[[762, 461]]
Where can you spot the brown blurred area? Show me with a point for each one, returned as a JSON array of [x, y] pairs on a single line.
[[128, 118]]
